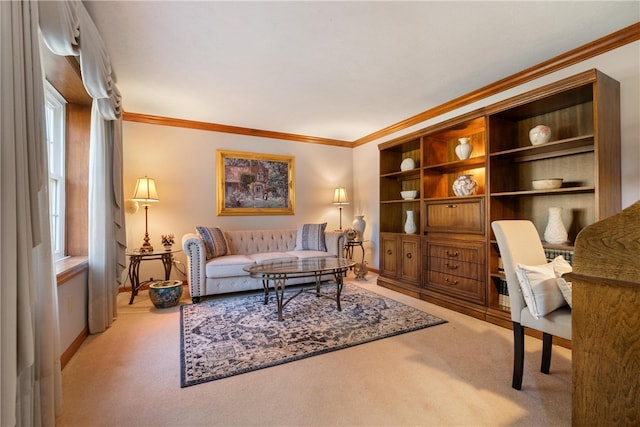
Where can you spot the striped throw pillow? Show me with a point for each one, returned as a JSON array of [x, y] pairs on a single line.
[[214, 241], [310, 237]]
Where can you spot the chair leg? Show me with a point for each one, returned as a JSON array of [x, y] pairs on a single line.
[[518, 355], [547, 343]]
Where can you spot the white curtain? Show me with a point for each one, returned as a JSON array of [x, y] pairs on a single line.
[[106, 222], [67, 29], [30, 379]]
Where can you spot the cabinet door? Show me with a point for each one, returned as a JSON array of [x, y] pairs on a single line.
[[388, 255], [409, 262]]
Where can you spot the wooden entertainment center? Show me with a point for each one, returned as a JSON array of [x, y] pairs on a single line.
[[453, 258]]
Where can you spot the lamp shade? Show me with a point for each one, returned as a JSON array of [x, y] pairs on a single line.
[[145, 191], [340, 196]]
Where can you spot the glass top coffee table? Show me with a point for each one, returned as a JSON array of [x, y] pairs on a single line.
[[276, 273]]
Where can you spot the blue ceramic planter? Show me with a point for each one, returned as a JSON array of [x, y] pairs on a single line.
[[166, 293]]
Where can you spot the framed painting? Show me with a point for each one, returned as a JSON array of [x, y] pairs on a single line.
[[255, 183]]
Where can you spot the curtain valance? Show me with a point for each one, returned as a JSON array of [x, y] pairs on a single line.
[[68, 30]]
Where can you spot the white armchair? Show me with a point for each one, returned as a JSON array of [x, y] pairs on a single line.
[[519, 242]]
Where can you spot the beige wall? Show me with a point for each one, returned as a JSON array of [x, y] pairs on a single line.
[[183, 163]]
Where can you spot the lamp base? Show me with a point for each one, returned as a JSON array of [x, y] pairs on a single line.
[[146, 246]]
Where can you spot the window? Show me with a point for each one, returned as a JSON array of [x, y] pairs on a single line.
[[55, 120]]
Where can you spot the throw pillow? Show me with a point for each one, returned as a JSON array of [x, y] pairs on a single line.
[[565, 288], [540, 286], [214, 241], [310, 237]]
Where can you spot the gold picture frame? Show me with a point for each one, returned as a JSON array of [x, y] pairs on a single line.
[[255, 183]]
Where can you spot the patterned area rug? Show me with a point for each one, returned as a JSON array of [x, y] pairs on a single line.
[[230, 336]]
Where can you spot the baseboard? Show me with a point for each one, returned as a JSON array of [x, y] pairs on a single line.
[[73, 348]]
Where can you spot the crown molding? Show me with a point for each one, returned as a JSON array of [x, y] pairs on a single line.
[[214, 127]]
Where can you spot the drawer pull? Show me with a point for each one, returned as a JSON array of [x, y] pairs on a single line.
[[389, 252], [454, 254], [409, 255], [453, 282], [452, 206], [451, 266]]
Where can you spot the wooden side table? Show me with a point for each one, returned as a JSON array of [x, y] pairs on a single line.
[[135, 258]]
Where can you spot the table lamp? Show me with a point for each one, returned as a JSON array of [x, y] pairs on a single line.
[[340, 199], [146, 194]]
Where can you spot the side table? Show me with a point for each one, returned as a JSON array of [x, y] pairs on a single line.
[[348, 249], [135, 258]]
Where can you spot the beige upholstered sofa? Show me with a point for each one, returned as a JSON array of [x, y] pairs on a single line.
[[209, 274]]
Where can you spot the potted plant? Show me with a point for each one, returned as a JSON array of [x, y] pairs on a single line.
[[165, 293], [167, 241]]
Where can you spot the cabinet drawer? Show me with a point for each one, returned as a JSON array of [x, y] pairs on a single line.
[[454, 267], [456, 216], [455, 253], [462, 287]]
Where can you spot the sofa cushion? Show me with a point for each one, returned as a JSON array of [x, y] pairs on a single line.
[[272, 256], [228, 266], [309, 254], [214, 241], [248, 242], [310, 237]]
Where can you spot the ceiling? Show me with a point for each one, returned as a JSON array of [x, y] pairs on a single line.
[[330, 69]]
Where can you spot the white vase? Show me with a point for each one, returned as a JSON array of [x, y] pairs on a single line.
[[359, 225], [540, 134], [410, 225], [555, 231], [407, 164], [463, 150], [465, 185]]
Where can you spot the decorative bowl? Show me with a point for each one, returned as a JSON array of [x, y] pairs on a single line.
[[408, 195], [165, 293], [546, 184], [540, 135]]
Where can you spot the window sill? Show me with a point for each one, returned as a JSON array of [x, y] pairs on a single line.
[[70, 267]]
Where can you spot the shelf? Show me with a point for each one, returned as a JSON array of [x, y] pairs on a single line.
[[453, 199], [566, 147], [472, 163], [545, 245], [562, 190], [400, 201], [400, 175]]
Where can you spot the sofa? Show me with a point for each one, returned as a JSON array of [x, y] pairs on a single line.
[[216, 258]]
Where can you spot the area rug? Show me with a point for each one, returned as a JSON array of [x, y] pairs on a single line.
[[223, 337]]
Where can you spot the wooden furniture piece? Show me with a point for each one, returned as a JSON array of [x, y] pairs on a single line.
[[606, 322], [583, 112]]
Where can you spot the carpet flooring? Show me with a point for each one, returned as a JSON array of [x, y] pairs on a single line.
[[228, 336]]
